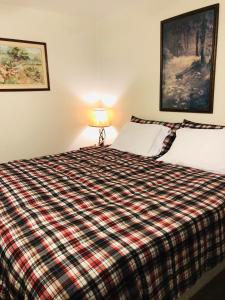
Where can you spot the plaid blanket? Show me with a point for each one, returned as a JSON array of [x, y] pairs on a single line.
[[103, 224]]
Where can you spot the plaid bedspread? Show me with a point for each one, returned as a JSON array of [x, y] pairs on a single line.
[[103, 224]]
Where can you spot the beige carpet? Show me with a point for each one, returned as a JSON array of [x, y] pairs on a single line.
[[215, 290]]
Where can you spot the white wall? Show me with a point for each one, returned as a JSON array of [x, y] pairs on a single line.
[[111, 47], [129, 51], [38, 123]]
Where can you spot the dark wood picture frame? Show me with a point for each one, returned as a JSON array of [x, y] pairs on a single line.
[[179, 90], [23, 66]]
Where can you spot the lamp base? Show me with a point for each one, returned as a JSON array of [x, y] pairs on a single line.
[[102, 136]]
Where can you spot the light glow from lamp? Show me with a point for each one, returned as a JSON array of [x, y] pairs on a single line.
[[99, 117], [95, 98]]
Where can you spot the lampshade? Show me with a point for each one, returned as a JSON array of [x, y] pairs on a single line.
[[99, 117]]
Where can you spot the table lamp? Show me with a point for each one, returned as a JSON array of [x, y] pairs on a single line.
[[99, 117]]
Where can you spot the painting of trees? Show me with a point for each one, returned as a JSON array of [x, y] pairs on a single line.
[[188, 51]]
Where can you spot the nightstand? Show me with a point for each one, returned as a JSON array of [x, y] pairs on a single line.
[[89, 147], [93, 146]]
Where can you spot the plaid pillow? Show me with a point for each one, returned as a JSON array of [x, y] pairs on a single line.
[[190, 124], [169, 139]]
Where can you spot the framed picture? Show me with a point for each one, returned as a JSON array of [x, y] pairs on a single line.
[[23, 66], [188, 60]]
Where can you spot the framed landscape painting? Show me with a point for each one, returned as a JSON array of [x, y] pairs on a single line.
[[188, 58], [23, 66]]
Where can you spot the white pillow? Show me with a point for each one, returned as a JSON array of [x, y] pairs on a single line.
[[198, 148], [141, 139]]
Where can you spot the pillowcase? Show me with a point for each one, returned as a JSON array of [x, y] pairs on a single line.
[[169, 139], [198, 148], [141, 139], [190, 124]]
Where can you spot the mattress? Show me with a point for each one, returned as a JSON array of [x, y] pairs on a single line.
[[103, 224]]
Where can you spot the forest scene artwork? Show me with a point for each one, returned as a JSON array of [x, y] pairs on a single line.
[[188, 54], [23, 65]]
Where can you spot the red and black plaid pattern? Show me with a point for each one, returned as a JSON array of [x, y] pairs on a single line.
[[103, 224], [195, 125], [169, 139]]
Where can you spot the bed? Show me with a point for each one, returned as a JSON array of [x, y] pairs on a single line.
[[99, 223]]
